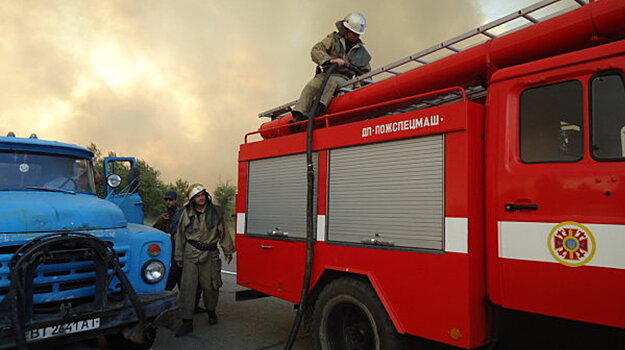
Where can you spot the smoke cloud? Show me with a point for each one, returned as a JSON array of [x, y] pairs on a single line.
[[179, 83]]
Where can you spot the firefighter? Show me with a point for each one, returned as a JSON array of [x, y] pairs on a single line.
[[200, 231], [168, 222], [341, 47]]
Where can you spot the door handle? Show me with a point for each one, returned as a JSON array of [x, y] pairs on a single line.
[[509, 207], [376, 241], [277, 232], [264, 246]]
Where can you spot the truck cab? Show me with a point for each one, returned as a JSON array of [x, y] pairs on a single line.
[[71, 264]]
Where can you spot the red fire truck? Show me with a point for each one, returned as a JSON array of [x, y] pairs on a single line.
[[464, 201]]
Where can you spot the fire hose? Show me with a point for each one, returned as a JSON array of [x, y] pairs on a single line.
[[310, 186]]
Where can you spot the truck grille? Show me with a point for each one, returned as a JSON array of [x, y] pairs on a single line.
[[61, 279]]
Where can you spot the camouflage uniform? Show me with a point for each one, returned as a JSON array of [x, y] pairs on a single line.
[[164, 220], [333, 46], [167, 222], [207, 228]]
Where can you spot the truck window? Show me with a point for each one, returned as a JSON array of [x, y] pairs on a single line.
[[608, 117], [31, 171], [551, 123]]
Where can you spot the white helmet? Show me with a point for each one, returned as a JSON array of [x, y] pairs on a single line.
[[195, 189], [355, 22]]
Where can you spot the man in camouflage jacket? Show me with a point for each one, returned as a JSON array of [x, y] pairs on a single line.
[[341, 47], [165, 223]]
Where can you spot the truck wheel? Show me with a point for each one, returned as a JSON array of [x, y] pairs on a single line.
[[348, 315], [118, 342]]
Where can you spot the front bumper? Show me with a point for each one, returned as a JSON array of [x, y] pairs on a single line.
[[114, 317]]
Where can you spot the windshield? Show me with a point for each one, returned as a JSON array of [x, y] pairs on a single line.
[[26, 170]]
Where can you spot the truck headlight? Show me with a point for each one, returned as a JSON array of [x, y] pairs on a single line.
[[153, 271], [114, 180]]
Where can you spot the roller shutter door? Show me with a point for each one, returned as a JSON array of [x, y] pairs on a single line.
[[394, 189], [277, 195]]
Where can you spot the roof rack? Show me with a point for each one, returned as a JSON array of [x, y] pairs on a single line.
[[451, 46]]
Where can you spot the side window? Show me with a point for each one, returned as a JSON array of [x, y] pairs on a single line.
[[551, 123], [608, 117]]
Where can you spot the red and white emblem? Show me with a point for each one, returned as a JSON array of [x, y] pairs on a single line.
[[571, 244]]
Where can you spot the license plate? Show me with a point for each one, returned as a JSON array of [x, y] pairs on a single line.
[[62, 329]]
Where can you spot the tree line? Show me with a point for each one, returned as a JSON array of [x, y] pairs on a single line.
[[153, 188]]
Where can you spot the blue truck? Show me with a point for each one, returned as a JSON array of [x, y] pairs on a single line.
[[72, 265]]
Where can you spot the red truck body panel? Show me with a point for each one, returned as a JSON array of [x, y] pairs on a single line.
[[425, 292]]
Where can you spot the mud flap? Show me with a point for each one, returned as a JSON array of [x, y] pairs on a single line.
[[167, 319], [138, 333]]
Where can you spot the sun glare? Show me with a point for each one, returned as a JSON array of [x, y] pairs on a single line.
[[120, 69]]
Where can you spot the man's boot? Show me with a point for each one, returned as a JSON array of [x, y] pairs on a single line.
[[212, 317], [297, 117], [186, 328]]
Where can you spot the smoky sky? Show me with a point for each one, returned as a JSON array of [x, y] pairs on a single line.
[[179, 83]]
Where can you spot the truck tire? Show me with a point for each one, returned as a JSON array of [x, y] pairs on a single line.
[[118, 342], [348, 315]]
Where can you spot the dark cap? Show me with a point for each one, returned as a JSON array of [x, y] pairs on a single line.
[[171, 195]]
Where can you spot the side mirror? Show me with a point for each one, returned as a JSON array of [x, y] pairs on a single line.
[[113, 180]]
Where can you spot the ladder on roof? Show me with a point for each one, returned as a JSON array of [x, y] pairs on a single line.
[[452, 46]]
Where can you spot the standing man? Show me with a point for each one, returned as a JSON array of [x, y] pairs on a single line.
[[200, 230], [165, 223], [342, 47]]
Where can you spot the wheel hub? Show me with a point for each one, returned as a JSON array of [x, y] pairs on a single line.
[[350, 329]]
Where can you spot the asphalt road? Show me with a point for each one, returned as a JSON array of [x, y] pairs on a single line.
[[260, 324]]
